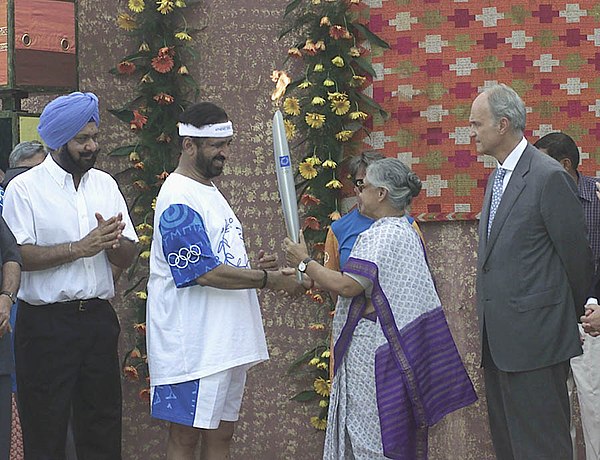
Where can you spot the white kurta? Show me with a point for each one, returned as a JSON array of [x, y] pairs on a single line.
[[192, 330]]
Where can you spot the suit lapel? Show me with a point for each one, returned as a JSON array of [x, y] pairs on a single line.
[[514, 188]]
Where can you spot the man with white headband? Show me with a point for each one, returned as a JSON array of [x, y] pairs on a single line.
[[204, 327]]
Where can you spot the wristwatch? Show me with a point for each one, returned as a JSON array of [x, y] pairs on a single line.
[[302, 265], [10, 295]]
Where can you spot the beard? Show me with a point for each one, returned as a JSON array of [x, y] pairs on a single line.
[[77, 162], [210, 167]]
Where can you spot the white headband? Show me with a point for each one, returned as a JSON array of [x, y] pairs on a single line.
[[216, 130]]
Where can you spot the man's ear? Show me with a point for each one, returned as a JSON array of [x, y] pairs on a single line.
[[189, 146], [567, 164], [504, 125]]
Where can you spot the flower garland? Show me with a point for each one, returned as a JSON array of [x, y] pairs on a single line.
[[324, 112], [163, 90]]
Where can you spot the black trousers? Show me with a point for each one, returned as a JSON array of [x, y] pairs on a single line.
[[66, 356], [528, 411]]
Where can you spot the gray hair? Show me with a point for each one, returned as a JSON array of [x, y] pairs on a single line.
[[401, 183], [363, 161], [24, 151], [506, 103]]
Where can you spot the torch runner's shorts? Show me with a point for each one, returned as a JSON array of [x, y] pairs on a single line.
[[201, 403]]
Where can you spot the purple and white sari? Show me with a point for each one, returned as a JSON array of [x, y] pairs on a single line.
[[397, 372]]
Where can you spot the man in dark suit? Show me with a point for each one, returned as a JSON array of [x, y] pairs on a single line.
[[533, 272]]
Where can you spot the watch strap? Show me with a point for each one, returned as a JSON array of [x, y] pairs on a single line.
[[10, 295]]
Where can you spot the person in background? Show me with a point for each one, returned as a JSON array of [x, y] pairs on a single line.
[[534, 269], [10, 276], [585, 369]]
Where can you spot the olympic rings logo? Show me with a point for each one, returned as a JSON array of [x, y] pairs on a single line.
[[185, 256]]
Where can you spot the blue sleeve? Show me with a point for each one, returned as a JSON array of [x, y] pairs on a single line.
[[186, 246]]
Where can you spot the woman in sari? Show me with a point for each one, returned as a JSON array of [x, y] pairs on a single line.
[[397, 370]]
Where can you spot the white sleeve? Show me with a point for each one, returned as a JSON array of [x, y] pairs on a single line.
[[18, 213], [121, 206]]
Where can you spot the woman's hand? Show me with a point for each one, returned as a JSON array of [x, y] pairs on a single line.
[[295, 252]]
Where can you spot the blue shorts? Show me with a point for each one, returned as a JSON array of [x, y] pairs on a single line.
[[201, 403]]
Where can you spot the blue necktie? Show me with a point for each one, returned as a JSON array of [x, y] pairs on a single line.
[[496, 196]]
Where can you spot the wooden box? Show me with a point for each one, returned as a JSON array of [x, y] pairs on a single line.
[[38, 46]]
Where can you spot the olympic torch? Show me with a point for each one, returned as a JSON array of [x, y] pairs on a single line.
[[285, 181]]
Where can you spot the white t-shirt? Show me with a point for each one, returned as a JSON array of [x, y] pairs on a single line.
[[192, 330], [42, 207]]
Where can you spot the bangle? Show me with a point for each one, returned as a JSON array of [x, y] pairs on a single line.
[[312, 284], [71, 251], [264, 280]]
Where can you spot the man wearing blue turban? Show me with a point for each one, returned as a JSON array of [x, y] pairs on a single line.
[[71, 223]]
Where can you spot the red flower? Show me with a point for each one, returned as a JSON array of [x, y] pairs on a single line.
[[138, 121], [163, 63], [319, 247], [164, 98], [318, 298], [126, 68], [131, 373], [139, 165], [145, 394], [336, 32], [312, 223], [309, 200]]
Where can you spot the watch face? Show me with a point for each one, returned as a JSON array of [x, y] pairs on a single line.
[[302, 267]]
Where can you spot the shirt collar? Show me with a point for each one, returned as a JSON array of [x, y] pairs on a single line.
[[59, 174], [510, 163], [586, 187]]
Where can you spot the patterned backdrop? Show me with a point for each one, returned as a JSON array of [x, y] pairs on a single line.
[[444, 52]]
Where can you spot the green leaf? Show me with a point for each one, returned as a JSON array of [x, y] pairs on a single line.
[[365, 65], [122, 151], [372, 103], [374, 39], [291, 7], [125, 115], [304, 396]]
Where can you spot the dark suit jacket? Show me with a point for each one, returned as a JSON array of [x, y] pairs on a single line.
[[534, 272]]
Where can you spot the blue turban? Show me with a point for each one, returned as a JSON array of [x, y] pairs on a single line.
[[65, 116]]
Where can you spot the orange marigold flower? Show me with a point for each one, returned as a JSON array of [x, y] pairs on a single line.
[[294, 52], [126, 22], [309, 48], [162, 176], [324, 21], [322, 386], [320, 45], [126, 68], [138, 121], [163, 63], [164, 138], [290, 129], [307, 170], [354, 51], [344, 136], [336, 32], [312, 223], [131, 373], [335, 215], [309, 200], [318, 298], [164, 98], [139, 165], [316, 327], [140, 328], [135, 353], [145, 394]]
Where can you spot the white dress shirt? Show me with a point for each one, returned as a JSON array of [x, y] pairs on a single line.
[[43, 208], [510, 163]]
